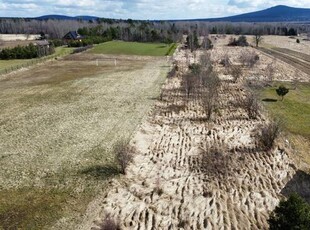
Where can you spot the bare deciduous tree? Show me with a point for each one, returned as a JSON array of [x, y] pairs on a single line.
[[258, 36], [189, 83], [210, 93]]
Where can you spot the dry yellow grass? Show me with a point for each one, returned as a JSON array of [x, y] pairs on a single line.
[[58, 123]]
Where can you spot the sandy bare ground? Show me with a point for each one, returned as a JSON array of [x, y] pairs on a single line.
[[166, 189], [19, 37]]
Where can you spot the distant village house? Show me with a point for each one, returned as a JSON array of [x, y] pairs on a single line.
[[73, 36]]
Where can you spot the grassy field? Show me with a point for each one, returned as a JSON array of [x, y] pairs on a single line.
[[134, 48], [294, 111], [58, 124], [17, 63]]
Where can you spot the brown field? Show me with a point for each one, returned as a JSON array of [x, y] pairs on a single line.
[[58, 124], [11, 44]]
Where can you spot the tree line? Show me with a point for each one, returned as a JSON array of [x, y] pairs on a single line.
[[134, 30], [26, 52]]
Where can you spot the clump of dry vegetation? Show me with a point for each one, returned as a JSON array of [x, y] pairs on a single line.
[[251, 105], [248, 58], [225, 61], [235, 72], [124, 154], [109, 224], [215, 163], [268, 135]]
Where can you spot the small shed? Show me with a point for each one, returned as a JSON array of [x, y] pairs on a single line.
[[42, 43], [44, 48]]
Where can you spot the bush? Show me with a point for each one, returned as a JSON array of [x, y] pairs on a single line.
[[225, 61], [57, 42], [282, 91], [268, 135], [109, 224], [297, 40], [248, 59], [123, 155], [235, 72], [207, 43], [26, 52], [251, 106], [241, 41], [294, 213], [82, 49], [88, 41], [195, 68]]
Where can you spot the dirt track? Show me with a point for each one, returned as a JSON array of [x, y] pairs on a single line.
[[298, 60]]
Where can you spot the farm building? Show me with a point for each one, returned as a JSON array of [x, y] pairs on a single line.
[[44, 48]]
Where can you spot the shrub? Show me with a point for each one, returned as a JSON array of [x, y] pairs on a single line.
[[248, 59], [123, 155], [207, 43], [57, 42], [216, 163], [195, 68], [250, 105], [109, 224], [268, 135], [82, 49], [225, 61], [297, 40], [241, 41], [235, 72], [294, 213], [282, 91], [26, 52]]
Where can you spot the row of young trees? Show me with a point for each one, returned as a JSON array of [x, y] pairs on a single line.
[[26, 52]]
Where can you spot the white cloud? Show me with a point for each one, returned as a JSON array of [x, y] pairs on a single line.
[[140, 9], [268, 3]]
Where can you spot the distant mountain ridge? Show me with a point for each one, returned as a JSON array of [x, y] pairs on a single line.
[[278, 13], [64, 17]]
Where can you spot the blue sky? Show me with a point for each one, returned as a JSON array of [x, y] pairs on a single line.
[[140, 9]]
